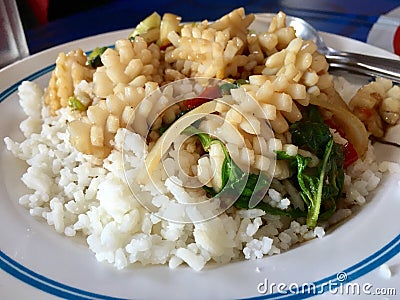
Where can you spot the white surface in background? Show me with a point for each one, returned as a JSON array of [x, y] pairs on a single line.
[[382, 32]]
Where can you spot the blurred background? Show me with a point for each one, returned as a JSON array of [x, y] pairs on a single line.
[[51, 22]]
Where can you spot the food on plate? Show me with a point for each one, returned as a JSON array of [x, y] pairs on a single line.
[[377, 104], [199, 142]]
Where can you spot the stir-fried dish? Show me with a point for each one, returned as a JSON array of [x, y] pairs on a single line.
[[199, 142]]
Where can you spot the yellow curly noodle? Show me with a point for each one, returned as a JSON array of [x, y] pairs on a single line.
[[70, 70], [284, 72]]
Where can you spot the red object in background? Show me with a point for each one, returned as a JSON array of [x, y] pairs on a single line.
[[40, 9], [396, 41]]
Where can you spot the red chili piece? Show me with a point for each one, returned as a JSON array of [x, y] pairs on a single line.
[[209, 93], [350, 154]]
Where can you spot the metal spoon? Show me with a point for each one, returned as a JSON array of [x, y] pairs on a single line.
[[349, 61]]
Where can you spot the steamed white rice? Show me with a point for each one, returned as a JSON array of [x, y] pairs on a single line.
[[80, 195]]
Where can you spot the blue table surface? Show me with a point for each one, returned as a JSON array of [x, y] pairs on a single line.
[[349, 18]]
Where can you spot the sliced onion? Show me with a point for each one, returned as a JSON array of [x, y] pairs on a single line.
[[166, 140], [334, 98], [351, 125]]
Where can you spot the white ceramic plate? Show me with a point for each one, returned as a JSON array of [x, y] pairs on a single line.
[[38, 263]]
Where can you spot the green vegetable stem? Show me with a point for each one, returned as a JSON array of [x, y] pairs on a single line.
[[75, 104], [233, 179], [320, 187], [94, 59]]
